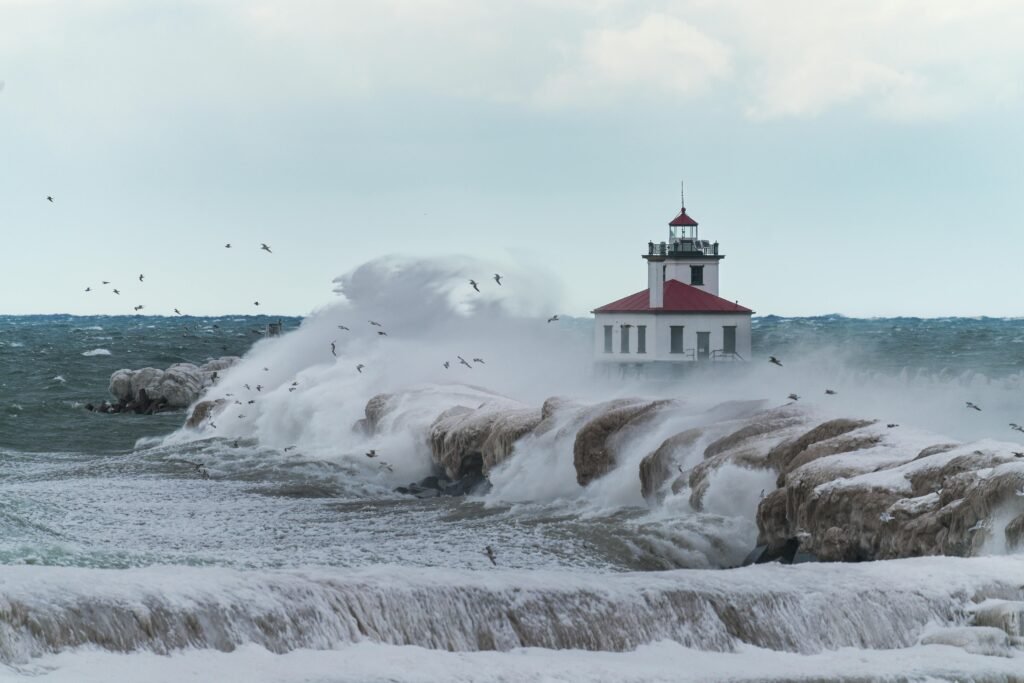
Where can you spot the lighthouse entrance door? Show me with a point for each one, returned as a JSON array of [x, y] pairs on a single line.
[[703, 345]]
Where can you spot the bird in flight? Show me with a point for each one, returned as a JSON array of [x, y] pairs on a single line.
[[446, 365], [289, 448], [382, 333], [553, 319], [106, 282], [177, 311], [228, 245], [360, 368], [372, 453], [462, 361], [247, 387], [479, 360], [972, 406], [255, 303], [259, 387], [793, 397], [141, 277], [497, 278], [139, 307], [473, 282], [830, 392], [342, 327], [117, 292], [265, 248], [1016, 427], [88, 289], [374, 322], [892, 425], [775, 361], [489, 551], [49, 199], [334, 351]]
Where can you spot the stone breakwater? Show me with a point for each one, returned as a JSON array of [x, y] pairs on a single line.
[[152, 390], [845, 489]]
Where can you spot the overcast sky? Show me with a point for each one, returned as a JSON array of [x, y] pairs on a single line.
[[864, 157]]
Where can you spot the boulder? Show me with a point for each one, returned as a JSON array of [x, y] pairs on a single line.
[[593, 453], [150, 390], [660, 466]]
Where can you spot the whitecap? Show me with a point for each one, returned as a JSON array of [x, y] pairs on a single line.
[[97, 352], [58, 378]]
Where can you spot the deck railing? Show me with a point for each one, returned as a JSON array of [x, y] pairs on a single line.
[[682, 248]]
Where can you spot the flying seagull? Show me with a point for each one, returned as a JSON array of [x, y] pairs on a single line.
[[553, 319], [489, 551], [255, 303], [382, 333], [228, 245], [446, 364], [289, 448], [141, 277], [360, 368], [88, 289], [259, 387], [497, 278], [106, 282], [342, 327], [334, 351], [374, 322], [775, 361], [793, 397], [372, 453], [1016, 427], [479, 360], [265, 248], [49, 199], [891, 425], [462, 361], [117, 292], [177, 311], [830, 392], [473, 282], [971, 405]]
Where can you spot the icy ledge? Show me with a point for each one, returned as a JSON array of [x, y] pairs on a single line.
[[803, 609]]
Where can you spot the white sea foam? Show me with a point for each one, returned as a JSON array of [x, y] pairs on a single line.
[[97, 352]]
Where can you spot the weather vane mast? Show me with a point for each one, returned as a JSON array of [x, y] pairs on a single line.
[[682, 198]]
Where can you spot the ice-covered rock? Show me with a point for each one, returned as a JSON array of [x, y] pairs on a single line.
[[150, 390], [594, 452]]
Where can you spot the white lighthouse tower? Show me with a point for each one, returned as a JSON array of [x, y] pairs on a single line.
[[679, 318]]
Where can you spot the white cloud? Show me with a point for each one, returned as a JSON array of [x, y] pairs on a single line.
[[660, 54]]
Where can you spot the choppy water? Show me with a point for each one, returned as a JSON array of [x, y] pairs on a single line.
[[94, 491]]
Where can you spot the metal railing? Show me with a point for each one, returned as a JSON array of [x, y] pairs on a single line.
[[721, 355], [683, 247]]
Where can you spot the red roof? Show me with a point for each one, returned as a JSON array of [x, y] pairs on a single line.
[[682, 220], [679, 298]]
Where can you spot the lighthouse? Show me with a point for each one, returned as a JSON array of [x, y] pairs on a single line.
[[680, 318]]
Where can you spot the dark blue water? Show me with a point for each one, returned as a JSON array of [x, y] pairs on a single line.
[[45, 380]]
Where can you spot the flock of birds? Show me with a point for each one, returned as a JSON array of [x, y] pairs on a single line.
[[832, 392]]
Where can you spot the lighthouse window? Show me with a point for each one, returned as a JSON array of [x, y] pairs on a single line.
[[696, 275], [676, 345], [641, 338], [607, 338], [624, 339]]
